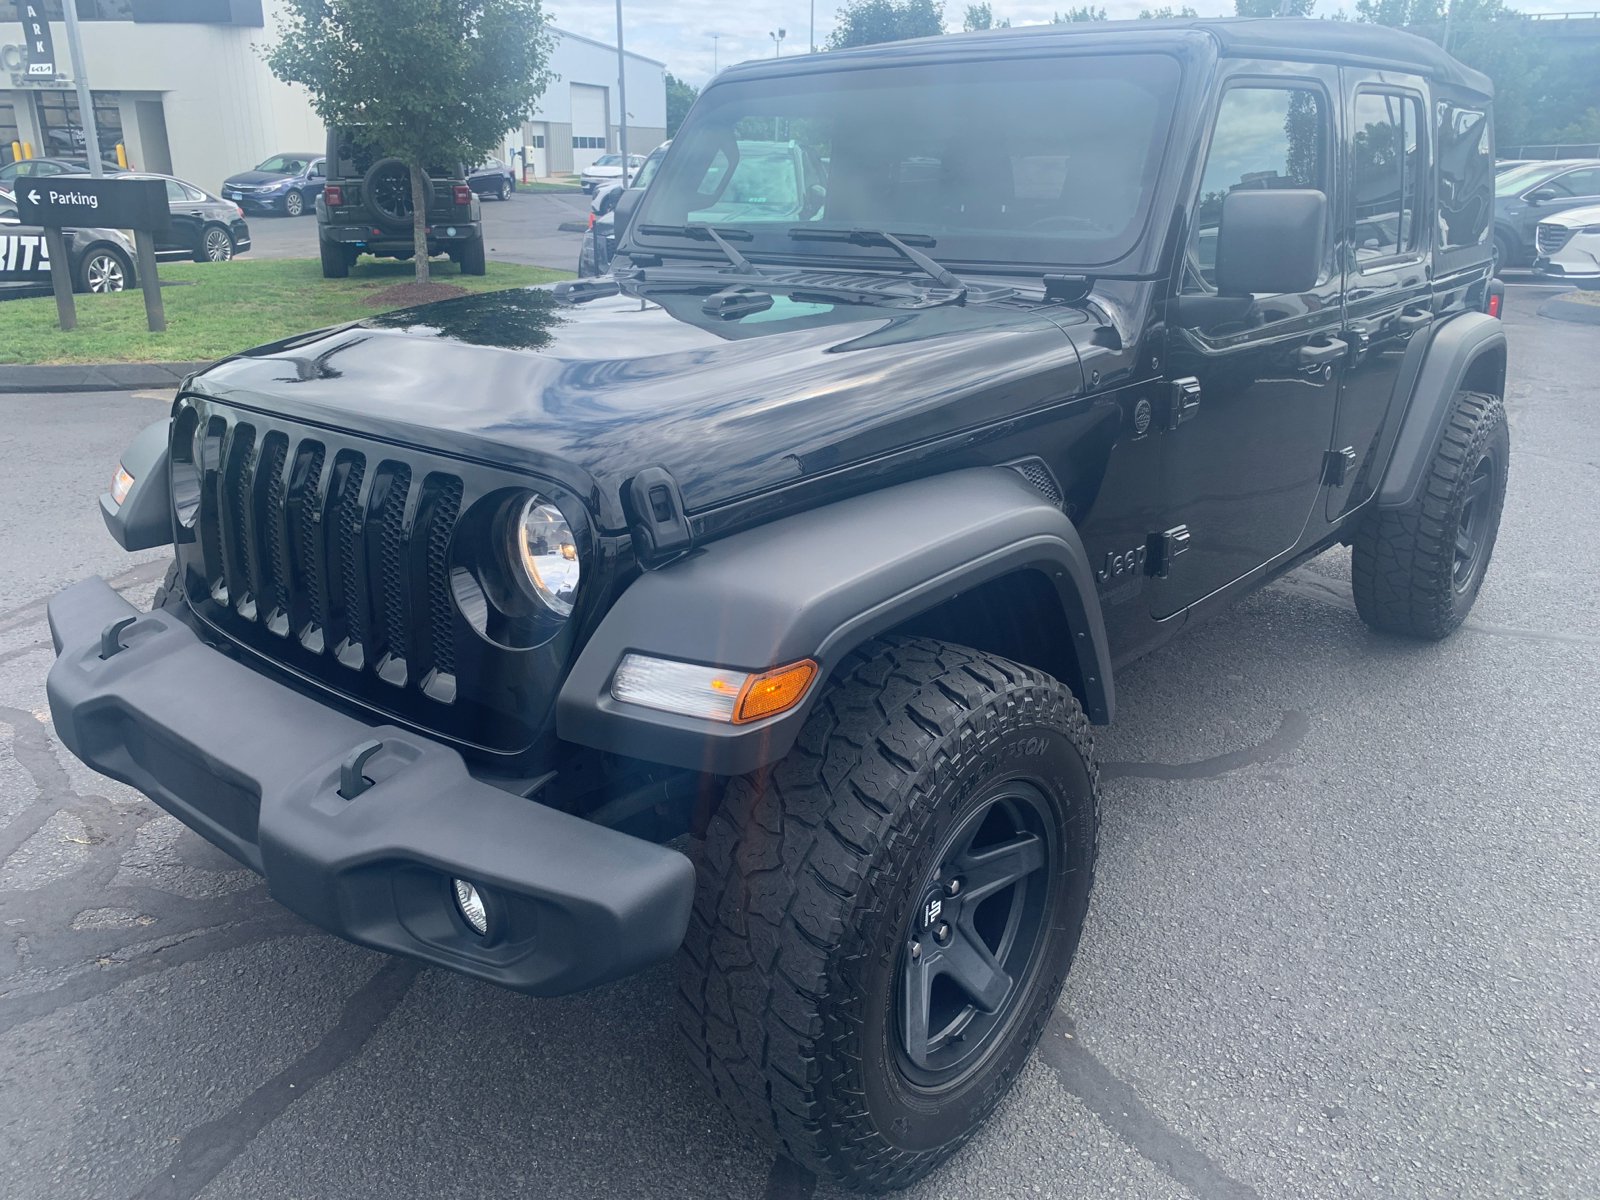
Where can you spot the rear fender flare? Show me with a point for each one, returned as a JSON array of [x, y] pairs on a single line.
[[816, 585], [1469, 350]]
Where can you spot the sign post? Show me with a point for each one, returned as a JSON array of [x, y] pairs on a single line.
[[67, 201]]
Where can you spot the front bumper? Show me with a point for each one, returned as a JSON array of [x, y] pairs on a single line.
[[255, 767]]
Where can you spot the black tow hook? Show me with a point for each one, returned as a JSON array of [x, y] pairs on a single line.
[[351, 781]]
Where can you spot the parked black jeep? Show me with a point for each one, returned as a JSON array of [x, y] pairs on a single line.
[[366, 208], [753, 604]]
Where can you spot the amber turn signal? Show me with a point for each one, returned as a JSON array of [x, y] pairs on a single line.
[[121, 481], [774, 692]]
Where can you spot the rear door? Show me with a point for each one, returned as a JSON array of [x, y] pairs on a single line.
[[1241, 470], [183, 235], [1388, 289]]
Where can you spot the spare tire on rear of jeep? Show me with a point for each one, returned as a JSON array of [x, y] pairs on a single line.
[[386, 192]]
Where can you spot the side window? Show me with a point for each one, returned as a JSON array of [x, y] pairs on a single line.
[[175, 192], [1387, 159], [316, 169], [193, 194], [1265, 137], [1466, 175], [1585, 182]]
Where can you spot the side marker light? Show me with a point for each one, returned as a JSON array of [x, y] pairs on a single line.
[[121, 481]]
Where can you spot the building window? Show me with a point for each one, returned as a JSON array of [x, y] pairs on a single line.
[[588, 143], [536, 141], [10, 135], [62, 129]]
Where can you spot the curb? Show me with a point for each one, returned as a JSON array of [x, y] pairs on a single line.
[[95, 377], [1561, 309]]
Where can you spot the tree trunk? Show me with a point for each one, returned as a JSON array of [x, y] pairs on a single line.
[[420, 186]]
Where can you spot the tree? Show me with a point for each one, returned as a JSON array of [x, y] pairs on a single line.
[[431, 81], [1273, 8], [1167, 13], [981, 16], [867, 22], [680, 96], [1074, 15]]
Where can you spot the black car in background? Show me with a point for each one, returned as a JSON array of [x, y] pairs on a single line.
[[101, 259], [204, 228], [13, 171], [1526, 195], [492, 177], [286, 183]]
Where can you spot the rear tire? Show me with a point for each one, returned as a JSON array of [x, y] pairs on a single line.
[[472, 260], [802, 999], [1417, 570], [216, 245], [334, 263]]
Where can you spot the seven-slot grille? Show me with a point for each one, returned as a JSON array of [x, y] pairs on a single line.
[[1551, 237], [338, 549]]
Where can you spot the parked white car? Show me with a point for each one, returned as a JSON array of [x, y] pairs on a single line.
[[606, 168], [1569, 247]]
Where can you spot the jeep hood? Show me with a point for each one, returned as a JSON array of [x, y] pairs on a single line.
[[590, 393]]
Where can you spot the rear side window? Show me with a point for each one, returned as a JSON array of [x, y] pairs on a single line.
[[1265, 137], [1466, 176], [1387, 152]]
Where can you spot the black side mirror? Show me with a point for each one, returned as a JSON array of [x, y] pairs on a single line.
[[623, 212], [1270, 241], [1543, 196]]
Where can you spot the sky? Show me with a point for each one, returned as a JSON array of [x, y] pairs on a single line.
[[680, 32]]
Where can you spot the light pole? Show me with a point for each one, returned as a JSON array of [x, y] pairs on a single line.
[[80, 78], [622, 99], [714, 38], [813, 26], [777, 41]]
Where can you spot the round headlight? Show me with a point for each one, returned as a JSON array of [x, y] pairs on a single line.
[[544, 551]]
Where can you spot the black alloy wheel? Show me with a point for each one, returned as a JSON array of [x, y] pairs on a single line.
[[104, 270], [216, 244], [387, 191], [1473, 532], [976, 934], [294, 203]]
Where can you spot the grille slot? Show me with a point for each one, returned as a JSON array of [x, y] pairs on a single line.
[[343, 557], [1552, 237]]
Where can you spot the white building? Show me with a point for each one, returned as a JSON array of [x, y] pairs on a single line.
[[576, 121], [183, 87]]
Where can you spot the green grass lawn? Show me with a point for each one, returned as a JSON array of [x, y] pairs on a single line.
[[223, 308]]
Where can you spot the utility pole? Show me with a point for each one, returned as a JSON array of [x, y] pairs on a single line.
[[622, 99], [1447, 10], [714, 38], [80, 78], [813, 26]]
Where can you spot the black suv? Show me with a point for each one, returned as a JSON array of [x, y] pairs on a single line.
[[755, 603], [365, 208]]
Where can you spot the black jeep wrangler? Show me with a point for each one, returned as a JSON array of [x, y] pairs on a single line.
[[754, 604], [366, 208]]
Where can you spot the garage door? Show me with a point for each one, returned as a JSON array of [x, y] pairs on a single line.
[[588, 124]]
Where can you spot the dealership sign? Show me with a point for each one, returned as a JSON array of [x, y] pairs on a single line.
[[111, 203], [41, 48]]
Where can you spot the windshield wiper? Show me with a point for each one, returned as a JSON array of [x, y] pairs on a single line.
[[740, 263], [868, 237]]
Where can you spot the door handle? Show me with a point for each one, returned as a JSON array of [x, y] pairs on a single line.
[[1410, 321], [195, 212], [1316, 356]]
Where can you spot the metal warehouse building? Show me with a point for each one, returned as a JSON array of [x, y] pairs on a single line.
[[182, 85]]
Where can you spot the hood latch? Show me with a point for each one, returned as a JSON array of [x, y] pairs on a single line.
[[659, 525]]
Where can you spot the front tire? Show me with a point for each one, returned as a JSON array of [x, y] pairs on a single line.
[[104, 270], [294, 203], [1500, 256], [503, 192], [1417, 570], [885, 918]]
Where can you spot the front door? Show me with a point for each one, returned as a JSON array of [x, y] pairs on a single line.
[[1388, 292], [1241, 468]]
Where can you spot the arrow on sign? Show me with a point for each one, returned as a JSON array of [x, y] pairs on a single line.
[[33, 196]]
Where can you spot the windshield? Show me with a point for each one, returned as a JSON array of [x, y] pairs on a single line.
[[648, 171], [290, 164], [1032, 161], [1518, 178], [608, 160]]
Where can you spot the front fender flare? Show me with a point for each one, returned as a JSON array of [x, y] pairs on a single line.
[[144, 518], [816, 585]]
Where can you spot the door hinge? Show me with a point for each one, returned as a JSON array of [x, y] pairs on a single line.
[[1337, 465], [1185, 400], [1162, 548]]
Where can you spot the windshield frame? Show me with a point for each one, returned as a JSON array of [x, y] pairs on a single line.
[[1131, 243]]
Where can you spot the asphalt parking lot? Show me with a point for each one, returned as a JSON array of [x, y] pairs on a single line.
[[524, 229], [1343, 942]]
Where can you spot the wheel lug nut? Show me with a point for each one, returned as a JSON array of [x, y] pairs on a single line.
[[942, 933], [916, 951], [953, 888]]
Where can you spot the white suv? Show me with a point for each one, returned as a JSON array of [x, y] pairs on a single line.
[[1569, 247]]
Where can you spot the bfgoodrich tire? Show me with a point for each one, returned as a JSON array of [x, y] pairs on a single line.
[[884, 919], [1417, 570]]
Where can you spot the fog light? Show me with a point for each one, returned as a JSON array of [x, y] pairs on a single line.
[[471, 906], [120, 483]]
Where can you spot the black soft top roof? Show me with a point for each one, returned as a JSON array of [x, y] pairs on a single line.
[[1295, 38]]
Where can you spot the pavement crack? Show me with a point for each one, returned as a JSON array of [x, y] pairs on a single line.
[[1291, 731], [208, 1149], [131, 578], [1122, 1112]]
